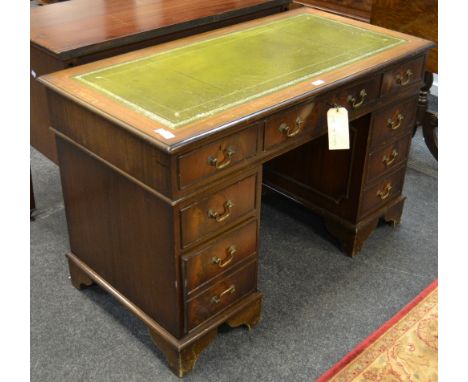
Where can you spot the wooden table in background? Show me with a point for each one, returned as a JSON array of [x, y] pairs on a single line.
[[162, 160], [76, 32], [47, 2], [356, 9]]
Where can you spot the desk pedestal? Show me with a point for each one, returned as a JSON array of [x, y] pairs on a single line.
[[352, 189]]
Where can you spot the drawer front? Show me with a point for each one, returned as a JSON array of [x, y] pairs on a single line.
[[215, 157], [393, 121], [403, 75], [291, 124], [222, 255], [355, 97], [221, 295], [388, 158], [383, 191], [217, 210]]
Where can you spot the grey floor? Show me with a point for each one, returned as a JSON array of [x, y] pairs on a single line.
[[318, 303]]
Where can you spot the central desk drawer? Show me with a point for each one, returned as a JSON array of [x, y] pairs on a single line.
[[354, 98], [292, 123], [218, 156], [217, 210], [222, 294], [220, 256]]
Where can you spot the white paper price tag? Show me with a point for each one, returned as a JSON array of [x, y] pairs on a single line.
[[338, 129], [166, 134]]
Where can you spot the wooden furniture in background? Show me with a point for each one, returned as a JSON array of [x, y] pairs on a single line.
[[417, 18], [76, 32], [32, 200], [47, 2], [163, 191], [356, 9]]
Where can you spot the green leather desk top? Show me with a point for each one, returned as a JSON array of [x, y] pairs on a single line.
[[201, 79]]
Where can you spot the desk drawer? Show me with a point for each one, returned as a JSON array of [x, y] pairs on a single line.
[[381, 161], [355, 97], [222, 294], [292, 123], [383, 191], [215, 157], [220, 256], [215, 211], [393, 121], [403, 75]]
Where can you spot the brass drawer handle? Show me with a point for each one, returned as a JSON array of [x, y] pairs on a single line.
[[217, 299], [231, 251], [227, 153], [353, 101], [219, 217], [388, 160], [385, 193], [395, 124], [399, 78], [286, 130]]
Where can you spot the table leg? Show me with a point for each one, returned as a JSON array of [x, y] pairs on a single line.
[[426, 119], [183, 356], [352, 236], [430, 123], [181, 360], [79, 279], [32, 200]]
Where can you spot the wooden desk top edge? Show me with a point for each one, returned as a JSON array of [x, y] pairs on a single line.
[[62, 83], [75, 49]]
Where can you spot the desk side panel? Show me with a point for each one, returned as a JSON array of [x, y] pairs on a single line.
[[122, 232], [111, 143], [41, 137]]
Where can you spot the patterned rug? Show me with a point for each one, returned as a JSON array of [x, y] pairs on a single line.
[[402, 350]]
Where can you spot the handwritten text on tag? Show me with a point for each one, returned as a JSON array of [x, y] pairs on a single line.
[[338, 128]]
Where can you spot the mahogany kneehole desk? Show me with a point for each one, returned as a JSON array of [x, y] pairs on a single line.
[[163, 153]]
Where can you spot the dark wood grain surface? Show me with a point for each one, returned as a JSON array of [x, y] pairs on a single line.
[[70, 28], [358, 9], [111, 221], [416, 17], [221, 255], [390, 156], [221, 295], [218, 210]]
